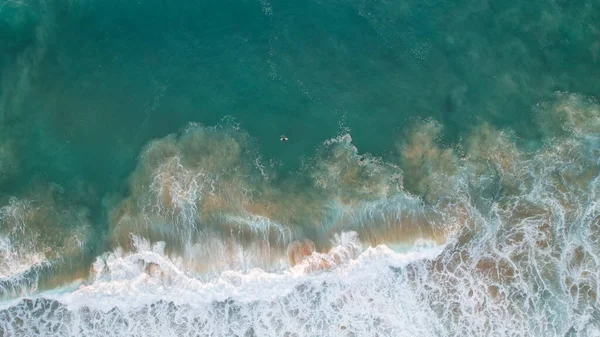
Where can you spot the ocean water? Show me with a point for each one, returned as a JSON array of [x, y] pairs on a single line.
[[441, 177]]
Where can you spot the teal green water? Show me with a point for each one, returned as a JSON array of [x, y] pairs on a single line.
[[90, 82], [91, 90]]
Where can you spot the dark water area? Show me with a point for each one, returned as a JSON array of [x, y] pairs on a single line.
[[91, 81]]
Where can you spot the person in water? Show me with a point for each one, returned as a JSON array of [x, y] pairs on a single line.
[[283, 138]]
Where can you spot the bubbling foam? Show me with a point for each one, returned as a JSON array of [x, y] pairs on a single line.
[[122, 299], [529, 263], [200, 193], [40, 237], [194, 190]]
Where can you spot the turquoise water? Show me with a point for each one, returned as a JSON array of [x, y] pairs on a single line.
[[446, 150]]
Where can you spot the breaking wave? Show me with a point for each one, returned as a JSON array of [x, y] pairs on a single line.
[[481, 238]]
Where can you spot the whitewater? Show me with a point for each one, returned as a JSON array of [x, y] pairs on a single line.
[[504, 243]]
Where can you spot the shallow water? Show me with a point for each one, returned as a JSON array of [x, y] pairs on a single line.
[[442, 174]]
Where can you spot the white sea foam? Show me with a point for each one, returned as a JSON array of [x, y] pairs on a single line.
[[16, 263], [520, 252], [18, 259], [362, 294], [134, 279]]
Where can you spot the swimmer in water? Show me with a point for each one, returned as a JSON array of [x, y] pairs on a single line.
[[283, 138]]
